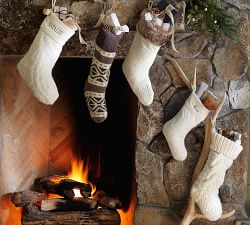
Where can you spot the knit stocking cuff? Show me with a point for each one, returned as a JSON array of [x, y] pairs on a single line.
[[107, 40], [56, 29], [157, 35], [223, 145]]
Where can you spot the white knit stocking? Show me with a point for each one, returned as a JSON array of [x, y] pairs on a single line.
[[206, 187], [36, 66], [136, 67], [176, 129]]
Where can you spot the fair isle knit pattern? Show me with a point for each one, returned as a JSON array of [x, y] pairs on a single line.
[[97, 81]]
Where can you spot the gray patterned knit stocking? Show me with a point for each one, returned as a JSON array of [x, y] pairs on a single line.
[[97, 82]]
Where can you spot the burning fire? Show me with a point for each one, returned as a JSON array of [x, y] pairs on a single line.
[[79, 172]]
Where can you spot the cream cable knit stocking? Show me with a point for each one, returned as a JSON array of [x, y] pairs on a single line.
[[136, 67], [176, 129], [36, 66], [141, 56], [206, 187]]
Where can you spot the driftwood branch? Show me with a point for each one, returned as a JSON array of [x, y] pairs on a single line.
[[191, 213]]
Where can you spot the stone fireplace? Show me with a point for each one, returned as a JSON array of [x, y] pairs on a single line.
[[38, 140]]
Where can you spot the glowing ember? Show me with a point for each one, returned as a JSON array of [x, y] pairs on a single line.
[[77, 193]]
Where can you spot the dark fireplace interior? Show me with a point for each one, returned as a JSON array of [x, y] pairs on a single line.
[[108, 147]]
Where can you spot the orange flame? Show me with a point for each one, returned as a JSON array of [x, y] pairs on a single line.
[[79, 172], [127, 216]]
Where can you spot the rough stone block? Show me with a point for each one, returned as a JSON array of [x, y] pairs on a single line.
[[149, 177], [219, 84], [159, 77], [239, 93], [224, 60], [186, 47], [177, 176], [167, 95], [159, 146], [240, 4], [149, 122], [149, 215]]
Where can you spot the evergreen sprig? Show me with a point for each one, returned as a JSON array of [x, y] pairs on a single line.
[[206, 17]]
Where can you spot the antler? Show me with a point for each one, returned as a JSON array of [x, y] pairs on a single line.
[[191, 213], [183, 76]]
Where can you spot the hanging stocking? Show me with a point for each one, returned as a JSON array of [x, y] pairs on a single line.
[[206, 187], [37, 64], [107, 41], [175, 130], [151, 34]]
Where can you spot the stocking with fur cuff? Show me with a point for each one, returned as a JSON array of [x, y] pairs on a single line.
[[145, 46]]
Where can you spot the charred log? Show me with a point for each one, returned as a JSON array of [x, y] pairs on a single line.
[[76, 204], [106, 201], [23, 198], [97, 217], [62, 186]]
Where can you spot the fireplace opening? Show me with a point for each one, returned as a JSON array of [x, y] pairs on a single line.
[[40, 140], [107, 148]]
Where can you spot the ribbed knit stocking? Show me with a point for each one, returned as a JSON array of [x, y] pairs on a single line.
[[97, 81], [37, 64], [176, 129], [206, 187]]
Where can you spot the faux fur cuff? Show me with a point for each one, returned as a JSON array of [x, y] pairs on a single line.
[[156, 35]]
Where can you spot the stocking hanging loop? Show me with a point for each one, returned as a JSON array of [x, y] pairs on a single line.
[[53, 4]]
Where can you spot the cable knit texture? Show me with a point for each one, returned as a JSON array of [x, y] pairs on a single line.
[[140, 58], [36, 66], [206, 187], [224, 146], [176, 129]]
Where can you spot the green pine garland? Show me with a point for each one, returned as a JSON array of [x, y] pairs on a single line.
[[206, 17]]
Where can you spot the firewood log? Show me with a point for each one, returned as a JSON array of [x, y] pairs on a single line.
[[23, 198], [33, 216], [62, 186], [76, 204], [106, 201]]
